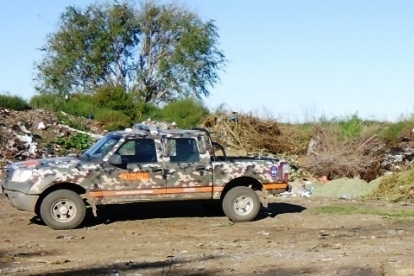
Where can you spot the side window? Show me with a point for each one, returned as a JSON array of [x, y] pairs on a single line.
[[182, 150], [127, 149], [138, 151]]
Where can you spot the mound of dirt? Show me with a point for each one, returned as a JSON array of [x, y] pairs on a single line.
[[346, 188]]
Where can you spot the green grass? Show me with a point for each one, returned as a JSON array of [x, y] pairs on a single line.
[[351, 210], [391, 132]]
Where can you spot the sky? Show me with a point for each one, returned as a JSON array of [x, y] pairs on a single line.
[[295, 60]]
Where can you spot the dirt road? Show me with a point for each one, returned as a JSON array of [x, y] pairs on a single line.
[[291, 237]]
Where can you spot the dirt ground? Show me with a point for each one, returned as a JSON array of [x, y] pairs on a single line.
[[288, 238]]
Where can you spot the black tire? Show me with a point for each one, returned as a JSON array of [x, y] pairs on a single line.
[[241, 204], [62, 209]]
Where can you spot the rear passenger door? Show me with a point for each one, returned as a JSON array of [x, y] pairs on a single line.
[[140, 177], [188, 173]]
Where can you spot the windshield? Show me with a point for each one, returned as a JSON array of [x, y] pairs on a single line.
[[103, 146]]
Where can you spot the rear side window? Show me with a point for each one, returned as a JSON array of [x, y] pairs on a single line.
[[182, 150], [138, 151]]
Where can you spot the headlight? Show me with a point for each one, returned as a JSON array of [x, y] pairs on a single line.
[[21, 175]]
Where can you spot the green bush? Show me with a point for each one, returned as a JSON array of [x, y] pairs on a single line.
[[47, 101], [186, 113], [114, 98], [351, 126], [113, 119], [13, 102], [80, 105]]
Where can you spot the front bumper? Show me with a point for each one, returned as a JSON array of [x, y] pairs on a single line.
[[20, 200]]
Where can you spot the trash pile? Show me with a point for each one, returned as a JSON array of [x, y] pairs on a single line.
[[401, 158], [343, 188], [34, 133], [301, 187], [31, 134]]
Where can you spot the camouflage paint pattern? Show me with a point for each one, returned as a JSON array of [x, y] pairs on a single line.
[[162, 180]]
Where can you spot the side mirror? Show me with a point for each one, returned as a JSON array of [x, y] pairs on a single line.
[[115, 159]]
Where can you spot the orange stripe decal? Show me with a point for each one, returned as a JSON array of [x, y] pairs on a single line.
[[96, 194], [157, 191], [177, 190], [189, 190], [274, 186], [218, 189]]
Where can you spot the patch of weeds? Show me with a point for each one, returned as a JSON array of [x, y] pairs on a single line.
[[391, 132], [350, 210], [79, 142], [73, 123], [335, 209], [397, 188]]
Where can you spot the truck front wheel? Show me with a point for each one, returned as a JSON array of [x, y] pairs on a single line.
[[62, 209], [241, 204]]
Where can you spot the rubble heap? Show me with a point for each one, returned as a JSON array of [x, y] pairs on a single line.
[[31, 134]]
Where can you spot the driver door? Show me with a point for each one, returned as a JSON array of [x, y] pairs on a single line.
[[139, 177]]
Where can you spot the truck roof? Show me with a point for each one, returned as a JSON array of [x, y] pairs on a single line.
[[159, 133]]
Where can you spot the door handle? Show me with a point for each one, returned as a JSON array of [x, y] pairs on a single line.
[[169, 171], [200, 168]]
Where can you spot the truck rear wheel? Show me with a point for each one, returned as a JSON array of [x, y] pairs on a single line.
[[62, 209], [241, 204]]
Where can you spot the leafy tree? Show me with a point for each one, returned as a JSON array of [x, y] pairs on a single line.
[[157, 53]]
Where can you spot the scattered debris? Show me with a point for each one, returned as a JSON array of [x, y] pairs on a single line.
[[299, 188]]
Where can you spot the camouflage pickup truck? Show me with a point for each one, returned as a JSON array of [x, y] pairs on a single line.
[[138, 165]]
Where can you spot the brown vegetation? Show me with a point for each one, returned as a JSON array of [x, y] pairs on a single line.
[[248, 133], [321, 149], [331, 156]]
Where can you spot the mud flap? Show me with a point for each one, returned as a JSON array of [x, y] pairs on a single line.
[[264, 198], [91, 202]]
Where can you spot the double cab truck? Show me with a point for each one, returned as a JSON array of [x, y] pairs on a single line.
[[138, 165]]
